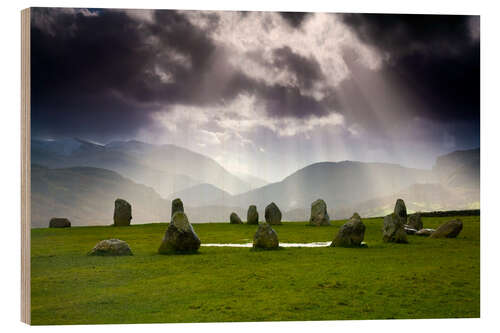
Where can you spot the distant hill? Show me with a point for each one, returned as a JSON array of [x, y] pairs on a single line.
[[338, 183], [422, 198], [254, 182], [459, 169], [180, 161], [300, 214], [86, 196], [202, 195], [166, 168]]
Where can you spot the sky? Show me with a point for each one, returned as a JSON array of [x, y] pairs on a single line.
[[262, 93]]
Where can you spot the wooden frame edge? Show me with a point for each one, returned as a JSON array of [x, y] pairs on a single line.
[[25, 168]]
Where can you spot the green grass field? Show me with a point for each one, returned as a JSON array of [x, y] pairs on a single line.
[[427, 278]]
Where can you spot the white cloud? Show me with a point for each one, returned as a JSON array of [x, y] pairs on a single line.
[[236, 122], [48, 22], [323, 36], [165, 77], [355, 130], [245, 115], [209, 137], [141, 15]]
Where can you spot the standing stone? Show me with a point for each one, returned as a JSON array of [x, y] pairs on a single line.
[[393, 230], [111, 247], [180, 236], [400, 210], [265, 238], [273, 214], [234, 219], [123, 213], [351, 234], [450, 229], [177, 206], [252, 215], [415, 221], [59, 222], [319, 215]]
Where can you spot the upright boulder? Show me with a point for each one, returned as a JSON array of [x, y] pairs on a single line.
[[111, 247], [59, 222], [351, 234], [123, 213], [273, 214], [400, 210], [252, 215], [180, 236], [234, 219], [415, 221], [393, 230], [356, 216], [450, 229], [265, 238], [319, 215], [177, 206]]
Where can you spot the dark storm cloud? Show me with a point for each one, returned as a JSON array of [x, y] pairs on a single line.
[[435, 57], [288, 101], [280, 100], [96, 74], [294, 19], [79, 82], [102, 73], [306, 70]]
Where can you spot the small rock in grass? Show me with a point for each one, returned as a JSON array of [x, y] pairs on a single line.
[[180, 236], [265, 238], [111, 247], [234, 219], [351, 234], [59, 222], [450, 229]]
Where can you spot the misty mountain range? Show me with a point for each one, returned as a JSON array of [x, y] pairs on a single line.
[[167, 168], [80, 180]]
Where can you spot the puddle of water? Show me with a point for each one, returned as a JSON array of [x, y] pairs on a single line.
[[314, 244], [228, 245]]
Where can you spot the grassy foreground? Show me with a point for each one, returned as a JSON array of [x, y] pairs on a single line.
[[427, 278]]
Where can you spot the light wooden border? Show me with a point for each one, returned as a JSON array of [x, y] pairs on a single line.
[[25, 168]]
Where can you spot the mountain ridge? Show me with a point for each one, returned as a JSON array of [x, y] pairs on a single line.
[[167, 168], [369, 188]]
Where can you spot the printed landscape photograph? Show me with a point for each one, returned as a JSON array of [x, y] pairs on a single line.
[[234, 166]]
